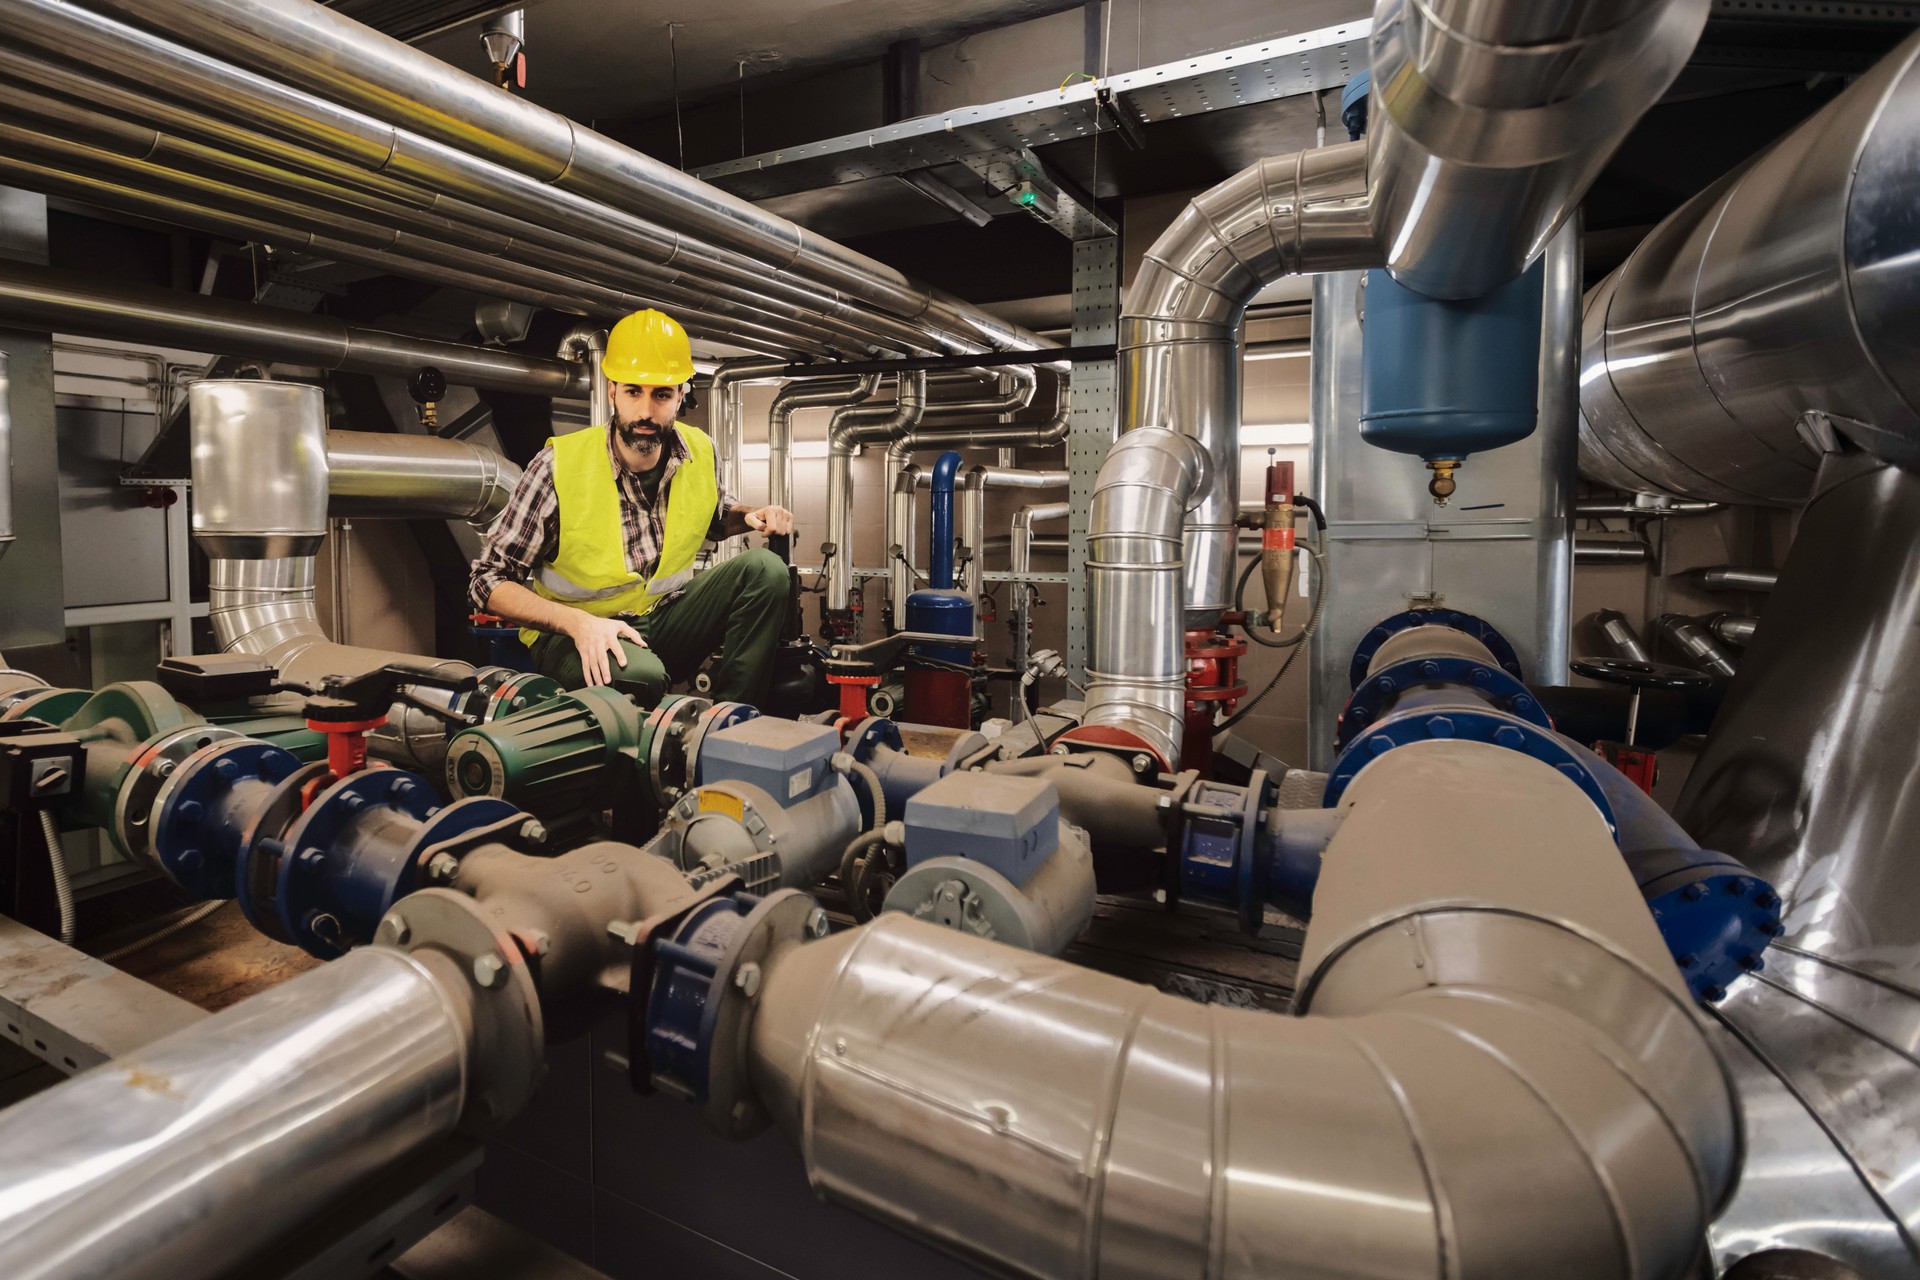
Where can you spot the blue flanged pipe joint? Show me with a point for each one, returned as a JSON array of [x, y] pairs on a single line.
[[1443, 379], [706, 979], [206, 809], [323, 882], [1440, 673]]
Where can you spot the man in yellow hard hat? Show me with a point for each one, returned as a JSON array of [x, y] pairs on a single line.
[[594, 553]]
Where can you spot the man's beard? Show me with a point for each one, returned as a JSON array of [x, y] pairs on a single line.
[[641, 434]]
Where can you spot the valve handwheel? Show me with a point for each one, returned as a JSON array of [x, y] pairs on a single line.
[[1637, 764]]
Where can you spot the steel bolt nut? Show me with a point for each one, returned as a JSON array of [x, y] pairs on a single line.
[[1142, 762], [817, 923], [1695, 891], [442, 867], [489, 971], [395, 930], [1060, 750], [746, 980], [533, 831]]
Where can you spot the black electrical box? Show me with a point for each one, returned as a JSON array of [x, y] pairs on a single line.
[[38, 764]]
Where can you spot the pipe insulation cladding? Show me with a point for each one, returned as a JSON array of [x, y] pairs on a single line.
[[1470, 989]]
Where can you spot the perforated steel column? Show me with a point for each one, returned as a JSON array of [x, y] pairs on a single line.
[[1096, 314]]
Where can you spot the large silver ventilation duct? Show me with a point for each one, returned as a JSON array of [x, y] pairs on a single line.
[[385, 106], [1786, 288], [1808, 776], [278, 1104], [1462, 979], [262, 461], [1136, 660], [1491, 118], [34, 297]]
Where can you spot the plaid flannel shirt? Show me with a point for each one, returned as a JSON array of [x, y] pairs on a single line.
[[526, 533]]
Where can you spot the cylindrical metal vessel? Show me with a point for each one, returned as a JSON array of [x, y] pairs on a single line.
[[1733, 628], [1784, 288], [259, 467], [1620, 637], [1606, 546], [1735, 578], [373, 473], [1696, 644], [185, 1157]]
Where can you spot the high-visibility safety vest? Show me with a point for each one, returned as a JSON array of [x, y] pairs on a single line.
[[589, 569]]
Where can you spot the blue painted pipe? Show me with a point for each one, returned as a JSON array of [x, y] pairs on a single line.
[[940, 554]]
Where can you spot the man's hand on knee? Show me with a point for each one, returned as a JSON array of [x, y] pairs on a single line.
[[598, 640]]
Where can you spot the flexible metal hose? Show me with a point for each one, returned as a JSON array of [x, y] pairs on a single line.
[[62, 885], [871, 781], [192, 916], [1315, 552]]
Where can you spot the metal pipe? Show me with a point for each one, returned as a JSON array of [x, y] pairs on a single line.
[[1652, 507], [69, 302], [940, 530], [850, 427], [333, 56], [377, 473], [1461, 977], [1136, 660], [1735, 629], [793, 397], [1729, 577], [190, 1155], [1690, 637], [1607, 547], [1620, 637], [1786, 288], [6, 460], [586, 345]]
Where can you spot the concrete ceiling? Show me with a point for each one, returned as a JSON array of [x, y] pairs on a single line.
[[609, 59]]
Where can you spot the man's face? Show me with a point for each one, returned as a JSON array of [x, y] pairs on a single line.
[[640, 413]]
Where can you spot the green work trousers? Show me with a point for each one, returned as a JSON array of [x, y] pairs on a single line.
[[736, 607]]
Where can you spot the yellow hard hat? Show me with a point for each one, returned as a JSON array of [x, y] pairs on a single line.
[[648, 349]]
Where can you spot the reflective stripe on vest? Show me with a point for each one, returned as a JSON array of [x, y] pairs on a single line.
[[589, 569]]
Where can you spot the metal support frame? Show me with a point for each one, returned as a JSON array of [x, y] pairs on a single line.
[[75, 1012], [1096, 316]]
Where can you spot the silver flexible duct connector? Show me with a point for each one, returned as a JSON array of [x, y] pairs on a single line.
[[1786, 288], [383, 473], [1136, 663], [276, 1105], [851, 427], [1463, 978]]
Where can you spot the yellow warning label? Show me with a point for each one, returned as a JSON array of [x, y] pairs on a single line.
[[712, 801]]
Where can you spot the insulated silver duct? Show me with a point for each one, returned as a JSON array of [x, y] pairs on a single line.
[[68, 302], [1492, 117], [1786, 288], [279, 1104], [970, 515], [261, 464], [337, 59], [1136, 659], [1463, 979]]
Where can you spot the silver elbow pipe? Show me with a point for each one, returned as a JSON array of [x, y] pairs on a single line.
[[834, 393], [1786, 288], [724, 412], [1462, 977], [851, 427], [1136, 663], [374, 473], [899, 535], [586, 345], [1020, 534], [1493, 119], [1691, 639], [192, 1154]]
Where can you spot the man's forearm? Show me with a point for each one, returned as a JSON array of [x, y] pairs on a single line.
[[516, 603], [734, 521]]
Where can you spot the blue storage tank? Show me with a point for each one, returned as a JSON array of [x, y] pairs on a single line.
[[1444, 379]]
